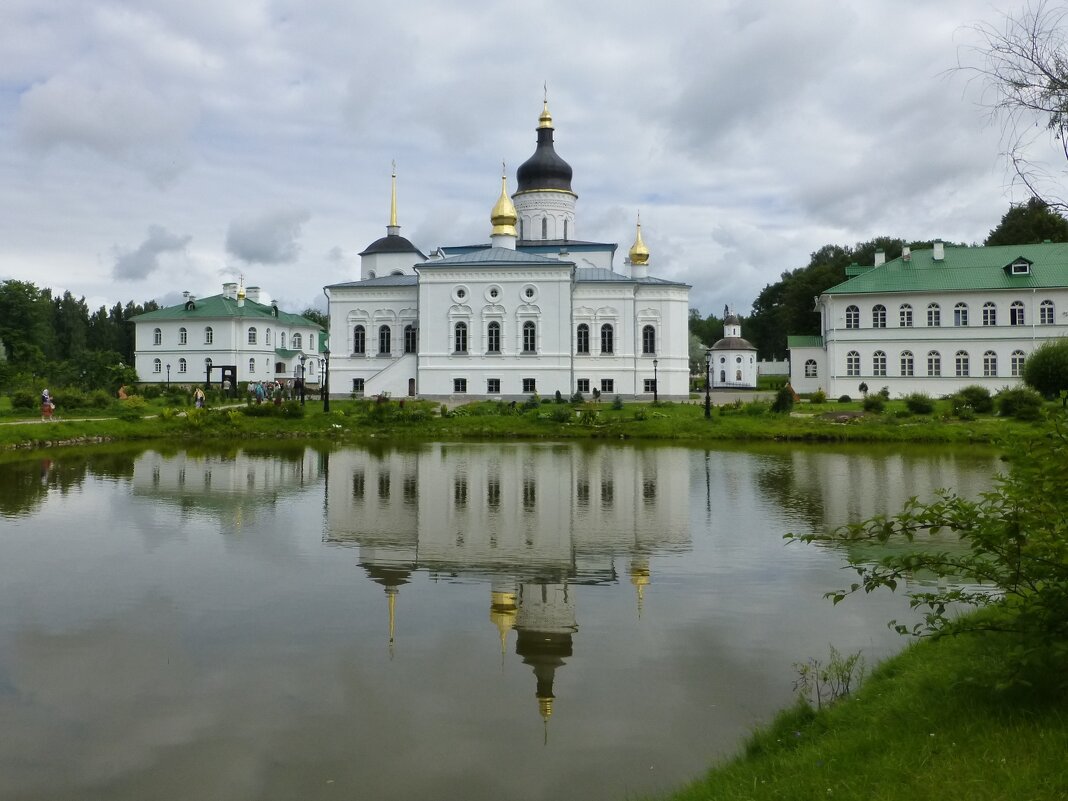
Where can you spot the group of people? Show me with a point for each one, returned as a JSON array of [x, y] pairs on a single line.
[[276, 391]]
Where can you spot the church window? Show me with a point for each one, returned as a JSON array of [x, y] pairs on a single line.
[[183, 365], [960, 314], [493, 337], [530, 385], [878, 316], [608, 385], [565, 229], [582, 339], [157, 366], [251, 367], [252, 336], [411, 338], [852, 317], [282, 340], [582, 385], [878, 363], [461, 293], [544, 228], [357, 386], [852, 363], [459, 385], [530, 337], [810, 369], [209, 335], [1016, 313], [1016, 363], [962, 363], [990, 363], [934, 363], [990, 313], [1045, 313], [607, 339], [157, 337], [267, 337], [648, 340], [385, 342], [907, 363], [934, 315], [359, 340], [183, 336], [298, 342], [648, 385], [905, 316], [459, 339], [493, 386]]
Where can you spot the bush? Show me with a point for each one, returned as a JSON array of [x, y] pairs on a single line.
[[1019, 402], [875, 403], [561, 415], [73, 399], [885, 393], [844, 399], [24, 400], [919, 403], [756, 408], [98, 399], [577, 398], [784, 400], [558, 398], [133, 408], [533, 402], [290, 409], [977, 397], [151, 391], [617, 403], [819, 396], [641, 414]]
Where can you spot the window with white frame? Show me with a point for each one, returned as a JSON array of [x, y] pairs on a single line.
[[990, 363], [608, 385], [251, 366], [282, 340], [878, 316], [359, 340], [209, 335], [962, 363], [157, 366], [990, 313], [878, 363], [907, 363], [385, 341], [183, 365], [493, 337], [1045, 313], [648, 340], [960, 314], [582, 338], [1016, 363], [411, 338], [183, 336], [810, 369], [607, 338], [852, 363], [530, 337], [852, 317], [267, 337], [298, 342], [252, 336], [157, 336], [493, 386], [934, 315], [459, 386], [648, 385], [530, 385], [1016, 313], [582, 385], [934, 363], [459, 338], [357, 386], [904, 316]]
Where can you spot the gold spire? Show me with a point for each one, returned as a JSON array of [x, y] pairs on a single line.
[[241, 288], [639, 577], [503, 612], [546, 119], [391, 593], [503, 216], [393, 198], [639, 253]]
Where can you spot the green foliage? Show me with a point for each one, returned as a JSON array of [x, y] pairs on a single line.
[[641, 414], [1019, 402], [1029, 224], [577, 398], [819, 396], [874, 403], [1015, 540], [975, 396], [756, 408], [133, 408], [561, 414], [1046, 370], [617, 403], [24, 400], [827, 683], [919, 403], [784, 400], [844, 399]]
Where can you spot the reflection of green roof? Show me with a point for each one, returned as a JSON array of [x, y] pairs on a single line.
[[219, 307], [965, 268], [804, 341]]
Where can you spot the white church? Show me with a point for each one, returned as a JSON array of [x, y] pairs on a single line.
[[535, 311]]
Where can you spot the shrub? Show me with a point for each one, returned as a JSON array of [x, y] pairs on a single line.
[[290, 409], [151, 391], [1019, 402], [844, 399], [577, 398], [533, 402], [919, 403], [641, 414], [558, 398], [98, 399], [819, 396], [784, 400], [875, 403], [885, 393], [977, 397], [561, 415], [964, 411], [23, 399], [755, 408], [133, 408], [617, 403], [72, 399]]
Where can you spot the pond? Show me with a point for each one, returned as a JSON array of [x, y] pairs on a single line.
[[449, 621]]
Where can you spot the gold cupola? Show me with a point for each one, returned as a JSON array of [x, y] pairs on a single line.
[[639, 253], [503, 217], [545, 119]]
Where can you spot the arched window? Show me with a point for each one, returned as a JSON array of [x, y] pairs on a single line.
[[544, 228], [878, 316], [251, 367], [990, 363], [934, 315], [907, 363], [853, 363], [493, 337], [183, 336], [459, 338], [934, 363], [282, 340], [157, 337], [267, 337], [962, 364], [648, 340], [990, 313], [157, 366], [904, 316], [385, 345], [582, 339], [878, 363], [1017, 363], [852, 317], [607, 339], [209, 335], [1016, 313], [359, 340], [1045, 313], [530, 337], [810, 369], [252, 336], [370, 273], [183, 365], [411, 338], [960, 314], [298, 342]]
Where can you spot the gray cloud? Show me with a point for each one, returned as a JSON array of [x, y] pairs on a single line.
[[271, 238], [140, 263]]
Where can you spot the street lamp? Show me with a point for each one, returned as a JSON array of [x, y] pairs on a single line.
[[168, 376], [656, 383], [302, 358], [326, 379], [708, 382]]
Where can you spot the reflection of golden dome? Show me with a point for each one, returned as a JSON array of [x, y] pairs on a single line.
[[504, 216], [502, 614], [639, 577], [639, 253]]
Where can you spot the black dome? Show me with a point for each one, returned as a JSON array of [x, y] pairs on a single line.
[[545, 169], [393, 243]]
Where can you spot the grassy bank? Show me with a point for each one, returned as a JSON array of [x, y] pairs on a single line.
[[928, 725], [362, 420]]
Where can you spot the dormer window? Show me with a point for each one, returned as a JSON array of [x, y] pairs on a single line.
[[1019, 267]]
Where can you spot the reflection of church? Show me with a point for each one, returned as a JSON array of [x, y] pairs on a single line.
[[533, 520]]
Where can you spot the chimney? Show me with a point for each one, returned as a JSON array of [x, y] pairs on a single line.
[[274, 307], [939, 250], [880, 257], [253, 293], [230, 290], [906, 253]]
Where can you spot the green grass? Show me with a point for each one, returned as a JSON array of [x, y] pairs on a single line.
[[928, 725]]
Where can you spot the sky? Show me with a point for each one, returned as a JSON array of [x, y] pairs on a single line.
[[159, 146]]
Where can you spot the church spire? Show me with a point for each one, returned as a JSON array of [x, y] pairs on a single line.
[[503, 217], [393, 229]]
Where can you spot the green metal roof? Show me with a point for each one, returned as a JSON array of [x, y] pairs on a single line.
[[964, 268], [804, 341], [219, 307]]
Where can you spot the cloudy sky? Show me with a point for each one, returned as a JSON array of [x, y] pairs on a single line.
[[153, 146]]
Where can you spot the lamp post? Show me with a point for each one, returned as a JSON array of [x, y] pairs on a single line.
[[656, 382], [302, 358], [168, 376], [326, 379], [708, 382]]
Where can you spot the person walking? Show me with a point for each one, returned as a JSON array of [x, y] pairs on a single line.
[[198, 398], [48, 405]]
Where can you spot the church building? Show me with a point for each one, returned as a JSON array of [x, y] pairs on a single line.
[[536, 310]]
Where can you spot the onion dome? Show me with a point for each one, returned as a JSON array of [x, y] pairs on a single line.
[[504, 216], [544, 170], [639, 253]]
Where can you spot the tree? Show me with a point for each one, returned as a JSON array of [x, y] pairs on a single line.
[[320, 318], [26, 322], [1029, 224], [1023, 66], [1046, 370]]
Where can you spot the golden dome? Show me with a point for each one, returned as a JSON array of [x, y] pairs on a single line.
[[545, 119], [504, 216], [503, 611], [639, 253]]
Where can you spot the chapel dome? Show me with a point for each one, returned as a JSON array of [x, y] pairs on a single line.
[[391, 243], [545, 169]]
